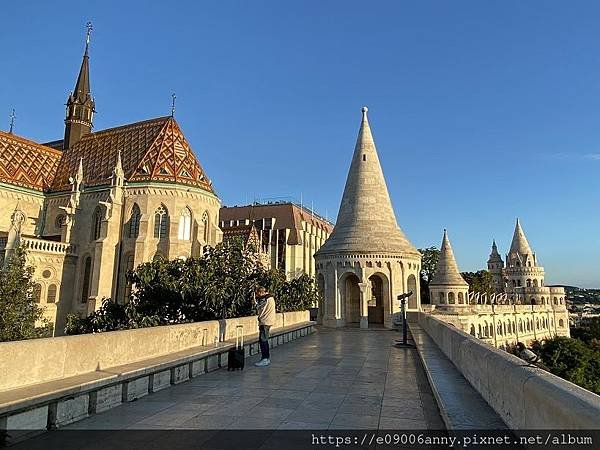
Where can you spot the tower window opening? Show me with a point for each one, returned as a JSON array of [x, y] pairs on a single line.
[[364, 157]]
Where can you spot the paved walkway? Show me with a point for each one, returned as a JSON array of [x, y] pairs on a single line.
[[332, 379]]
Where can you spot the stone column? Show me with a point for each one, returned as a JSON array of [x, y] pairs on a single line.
[[364, 307], [337, 298]]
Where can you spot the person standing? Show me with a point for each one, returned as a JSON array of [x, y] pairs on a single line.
[[265, 307]]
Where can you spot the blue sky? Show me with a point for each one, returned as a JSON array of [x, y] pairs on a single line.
[[481, 111]]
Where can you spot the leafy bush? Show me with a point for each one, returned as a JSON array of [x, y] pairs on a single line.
[[217, 285], [19, 313]]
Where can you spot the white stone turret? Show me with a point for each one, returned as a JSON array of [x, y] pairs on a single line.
[[522, 270], [448, 288], [495, 267], [367, 261]]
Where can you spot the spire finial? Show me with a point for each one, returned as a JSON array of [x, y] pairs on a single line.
[[12, 121], [364, 112], [87, 36], [173, 104]]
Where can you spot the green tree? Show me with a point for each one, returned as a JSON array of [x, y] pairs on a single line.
[[429, 259], [480, 281], [218, 285], [19, 312], [572, 360]]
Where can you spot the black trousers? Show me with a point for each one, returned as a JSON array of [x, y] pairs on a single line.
[[263, 340]]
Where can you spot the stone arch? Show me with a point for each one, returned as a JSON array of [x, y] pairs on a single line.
[[350, 297], [379, 300], [441, 298], [451, 298], [411, 285], [461, 300], [321, 292]]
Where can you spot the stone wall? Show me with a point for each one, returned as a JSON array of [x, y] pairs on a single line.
[[525, 397], [24, 363]]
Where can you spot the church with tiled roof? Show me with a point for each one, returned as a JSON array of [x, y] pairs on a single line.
[[95, 204]]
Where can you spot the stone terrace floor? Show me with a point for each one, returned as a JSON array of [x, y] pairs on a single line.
[[333, 379]]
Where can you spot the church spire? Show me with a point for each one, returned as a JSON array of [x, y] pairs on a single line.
[[446, 272], [494, 255], [80, 104], [366, 222]]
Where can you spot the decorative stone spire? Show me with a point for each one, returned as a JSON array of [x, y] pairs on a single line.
[[366, 222], [80, 104], [519, 248], [494, 256], [446, 272]]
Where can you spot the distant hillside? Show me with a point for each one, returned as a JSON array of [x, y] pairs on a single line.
[[581, 295]]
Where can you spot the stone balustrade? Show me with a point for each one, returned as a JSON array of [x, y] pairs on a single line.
[[524, 397], [55, 381], [46, 246]]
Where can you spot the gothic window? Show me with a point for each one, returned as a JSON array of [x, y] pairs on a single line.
[[97, 224], [185, 225], [51, 294], [161, 222], [205, 227], [37, 292], [60, 221], [134, 221], [87, 274]]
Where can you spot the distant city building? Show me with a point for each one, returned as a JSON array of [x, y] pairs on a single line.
[[94, 205], [288, 234], [367, 261], [522, 308]]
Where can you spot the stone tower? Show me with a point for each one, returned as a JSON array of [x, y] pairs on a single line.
[[448, 288], [367, 261], [80, 104], [496, 267], [522, 269]]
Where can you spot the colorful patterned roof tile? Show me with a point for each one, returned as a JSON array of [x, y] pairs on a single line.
[[152, 150], [25, 163]]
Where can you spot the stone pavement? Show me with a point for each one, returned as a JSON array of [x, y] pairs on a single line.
[[344, 379]]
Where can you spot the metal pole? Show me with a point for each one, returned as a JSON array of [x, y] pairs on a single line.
[[404, 333]]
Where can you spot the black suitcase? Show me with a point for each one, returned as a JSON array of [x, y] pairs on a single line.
[[236, 356]]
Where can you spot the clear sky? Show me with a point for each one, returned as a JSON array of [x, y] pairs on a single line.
[[481, 111]]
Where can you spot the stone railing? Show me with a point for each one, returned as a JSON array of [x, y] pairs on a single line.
[[525, 397], [45, 246], [47, 383]]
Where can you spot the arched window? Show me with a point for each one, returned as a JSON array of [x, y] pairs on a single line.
[[514, 282], [87, 274], [97, 224], [555, 301], [185, 225], [499, 330], [161, 222], [461, 300], [134, 221], [533, 301], [535, 282], [451, 298], [37, 292], [441, 298], [205, 227], [528, 282], [561, 323], [480, 330], [51, 294], [519, 283], [473, 330]]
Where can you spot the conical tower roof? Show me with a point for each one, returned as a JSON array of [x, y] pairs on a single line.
[[519, 243], [446, 271], [494, 256], [366, 222]]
